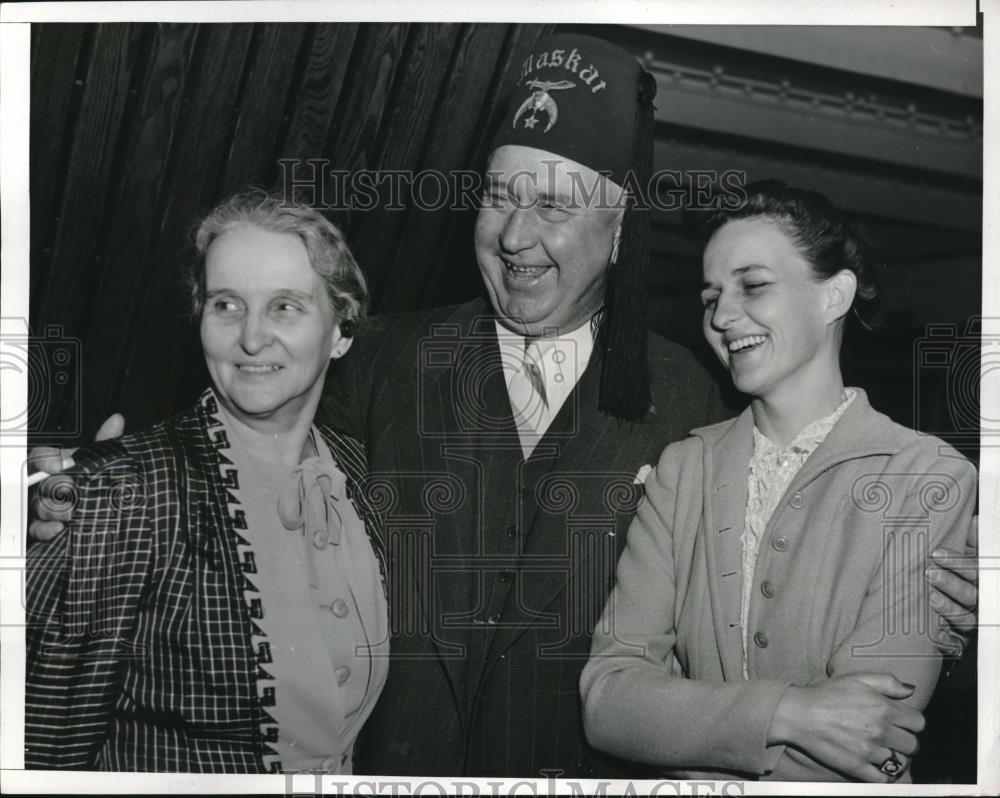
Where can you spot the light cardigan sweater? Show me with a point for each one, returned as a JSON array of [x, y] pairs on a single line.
[[842, 558]]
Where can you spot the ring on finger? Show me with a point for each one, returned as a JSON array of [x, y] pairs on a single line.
[[891, 766]]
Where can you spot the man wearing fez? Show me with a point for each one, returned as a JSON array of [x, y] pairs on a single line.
[[509, 434], [507, 438]]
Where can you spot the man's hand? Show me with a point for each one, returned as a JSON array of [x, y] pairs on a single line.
[[50, 513], [954, 578]]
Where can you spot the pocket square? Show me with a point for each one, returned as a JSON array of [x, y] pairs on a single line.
[[640, 477]]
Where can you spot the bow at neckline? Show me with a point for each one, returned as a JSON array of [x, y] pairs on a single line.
[[308, 501]]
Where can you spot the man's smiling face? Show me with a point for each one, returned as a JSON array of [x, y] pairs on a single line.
[[544, 239]]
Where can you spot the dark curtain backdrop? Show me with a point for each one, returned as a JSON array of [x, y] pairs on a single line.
[[137, 129]]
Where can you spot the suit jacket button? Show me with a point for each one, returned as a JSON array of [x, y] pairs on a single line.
[[343, 673], [779, 543], [760, 639], [767, 588], [512, 532], [797, 501], [494, 618], [505, 577]]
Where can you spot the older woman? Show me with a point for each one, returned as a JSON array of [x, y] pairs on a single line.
[[770, 617], [217, 603]]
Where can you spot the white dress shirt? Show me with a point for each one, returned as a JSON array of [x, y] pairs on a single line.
[[561, 361]]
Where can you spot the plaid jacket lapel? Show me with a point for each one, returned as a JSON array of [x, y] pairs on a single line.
[[211, 481], [351, 457]]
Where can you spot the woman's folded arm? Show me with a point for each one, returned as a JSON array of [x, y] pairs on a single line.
[[635, 706]]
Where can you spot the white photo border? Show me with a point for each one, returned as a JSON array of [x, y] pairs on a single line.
[[15, 19]]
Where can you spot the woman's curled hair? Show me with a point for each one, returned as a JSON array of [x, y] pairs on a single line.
[[328, 252]]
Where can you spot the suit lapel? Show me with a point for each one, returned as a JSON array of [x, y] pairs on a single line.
[[467, 422], [464, 431], [495, 440]]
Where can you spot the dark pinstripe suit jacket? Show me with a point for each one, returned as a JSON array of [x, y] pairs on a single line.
[[499, 568], [139, 653]]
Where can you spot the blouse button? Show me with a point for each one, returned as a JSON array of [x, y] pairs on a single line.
[[340, 608], [780, 543], [760, 639], [767, 588], [797, 501], [343, 674]]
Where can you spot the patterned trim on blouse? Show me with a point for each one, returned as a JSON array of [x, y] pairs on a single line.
[[265, 686]]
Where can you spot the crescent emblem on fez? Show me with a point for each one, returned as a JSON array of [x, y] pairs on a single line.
[[541, 100]]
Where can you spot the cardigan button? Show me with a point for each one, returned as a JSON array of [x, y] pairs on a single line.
[[779, 543], [797, 501], [767, 588], [339, 608], [760, 639]]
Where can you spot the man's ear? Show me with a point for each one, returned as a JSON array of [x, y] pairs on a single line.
[[339, 343], [840, 290]]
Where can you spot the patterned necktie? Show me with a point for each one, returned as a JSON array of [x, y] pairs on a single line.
[[528, 398], [532, 357]]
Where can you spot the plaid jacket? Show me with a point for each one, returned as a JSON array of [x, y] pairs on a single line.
[[139, 653]]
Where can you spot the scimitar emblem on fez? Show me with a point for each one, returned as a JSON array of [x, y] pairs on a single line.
[[540, 100]]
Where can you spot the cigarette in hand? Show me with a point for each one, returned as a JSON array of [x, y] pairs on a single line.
[[38, 476]]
